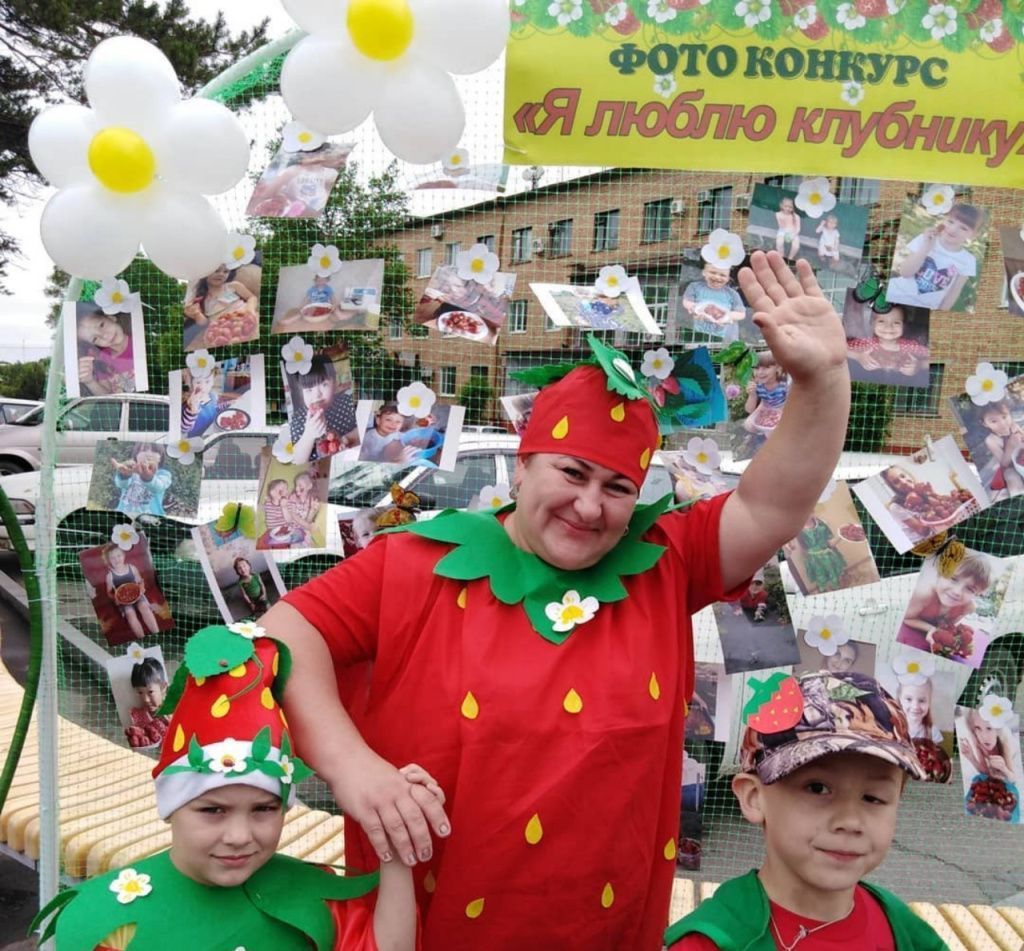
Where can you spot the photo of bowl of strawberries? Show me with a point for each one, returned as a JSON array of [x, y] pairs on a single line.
[[954, 644], [934, 759], [232, 420], [991, 799], [127, 593], [236, 326], [852, 532]]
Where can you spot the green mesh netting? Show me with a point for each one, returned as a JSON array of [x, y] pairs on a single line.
[[550, 226]]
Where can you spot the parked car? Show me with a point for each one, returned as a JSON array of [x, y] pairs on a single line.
[[82, 423], [12, 409]]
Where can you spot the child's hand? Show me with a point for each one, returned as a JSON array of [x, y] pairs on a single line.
[[418, 776], [869, 362], [751, 388], [123, 468], [85, 369]]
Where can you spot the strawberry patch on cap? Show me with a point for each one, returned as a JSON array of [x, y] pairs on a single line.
[[777, 704]]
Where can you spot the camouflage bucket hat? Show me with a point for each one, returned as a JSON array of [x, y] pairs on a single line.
[[793, 721]]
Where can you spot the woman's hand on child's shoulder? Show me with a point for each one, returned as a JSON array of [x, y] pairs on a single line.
[[416, 775]]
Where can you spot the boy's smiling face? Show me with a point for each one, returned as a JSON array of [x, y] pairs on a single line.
[[715, 277]]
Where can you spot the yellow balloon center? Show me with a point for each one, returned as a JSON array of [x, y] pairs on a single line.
[[121, 160], [380, 29]]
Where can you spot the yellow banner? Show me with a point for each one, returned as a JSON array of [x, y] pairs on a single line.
[[903, 89]]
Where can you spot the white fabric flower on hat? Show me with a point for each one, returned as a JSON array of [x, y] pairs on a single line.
[[298, 137], [287, 768], [477, 264], [124, 536], [185, 449], [456, 162], [612, 281], [814, 197], [940, 20], [241, 249], [986, 384], [385, 57], [297, 355], [571, 610], [996, 711], [247, 629], [416, 399], [130, 885], [283, 448], [227, 756], [200, 363], [913, 670], [657, 363], [826, 633], [937, 199], [323, 260], [495, 496], [702, 454], [724, 249], [113, 296], [133, 167]]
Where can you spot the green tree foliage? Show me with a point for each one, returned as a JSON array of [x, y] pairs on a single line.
[[476, 395], [44, 45], [24, 381]]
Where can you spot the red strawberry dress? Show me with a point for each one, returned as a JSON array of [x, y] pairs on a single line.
[[560, 751]]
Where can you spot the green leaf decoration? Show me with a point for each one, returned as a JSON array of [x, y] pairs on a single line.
[[174, 692], [301, 771], [730, 354], [261, 745], [247, 521], [284, 671], [286, 744], [216, 650], [763, 690], [542, 376], [228, 517], [622, 378], [52, 908], [196, 756]]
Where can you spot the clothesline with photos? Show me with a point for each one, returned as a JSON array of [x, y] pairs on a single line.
[[952, 614]]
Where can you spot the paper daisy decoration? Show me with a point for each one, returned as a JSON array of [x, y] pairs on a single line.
[[477, 264], [937, 199], [913, 670], [571, 610], [297, 355], [612, 281], [826, 634], [297, 137], [495, 496], [200, 363], [416, 399], [124, 536], [287, 768], [724, 249], [996, 711], [814, 197], [986, 384], [185, 449], [657, 363], [133, 166], [284, 449], [130, 885], [113, 296], [702, 454], [241, 249], [247, 629], [456, 162], [384, 56], [135, 652], [323, 260]]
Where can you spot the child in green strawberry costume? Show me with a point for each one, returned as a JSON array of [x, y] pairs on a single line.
[[824, 759], [225, 777]]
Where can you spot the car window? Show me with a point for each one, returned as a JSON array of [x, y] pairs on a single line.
[[148, 417], [234, 458], [439, 489], [96, 416], [32, 418], [364, 483], [9, 412]]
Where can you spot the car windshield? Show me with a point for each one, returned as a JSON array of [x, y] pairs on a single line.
[[363, 484], [32, 418]]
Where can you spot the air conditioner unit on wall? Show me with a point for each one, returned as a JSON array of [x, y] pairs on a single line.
[[677, 207], [742, 202], [705, 198], [537, 246], [437, 231]]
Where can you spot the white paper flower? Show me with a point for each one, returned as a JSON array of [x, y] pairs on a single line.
[[805, 16], [754, 11], [250, 630], [616, 13], [130, 885], [456, 162], [134, 166], [393, 59], [283, 448], [828, 491], [200, 363], [991, 29], [477, 264], [113, 296], [495, 496], [297, 355], [241, 250], [852, 92], [135, 652], [660, 11], [227, 756], [612, 281], [986, 384], [657, 363], [185, 449], [665, 85], [913, 669], [416, 399], [849, 17], [814, 197], [940, 20], [702, 454], [571, 610], [937, 199], [826, 633], [996, 711], [298, 137], [124, 536], [287, 767], [724, 249], [323, 260], [565, 11]]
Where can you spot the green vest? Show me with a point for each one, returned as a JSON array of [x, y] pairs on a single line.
[[736, 919]]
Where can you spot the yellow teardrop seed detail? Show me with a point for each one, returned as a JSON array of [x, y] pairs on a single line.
[[220, 706], [618, 412], [572, 703], [534, 830], [276, 663], [284, 720], [429, 882], [461, 599], [200, 681], [653, 687], [470, 708], [607, 895], [670, 850], [237, 672], [561, 428], [645, 458], [267, 698], [179, 738], [475, 908]]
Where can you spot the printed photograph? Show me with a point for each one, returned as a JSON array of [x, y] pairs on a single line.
[[712, 304], [571, 306], [691, 806], [990, 763], [754, 407], [223, 308], [939, 255], [1013, 263], [358, 528], [244, 581], [103, 353], [858, 656], [831, 552], [929, 492], [230, 398], [397, 433], [468, 309], [321, 406], [138, 682], [348, 299], [123, 588], [139, 478], [518, 408], [889, 348], [702, 713], [684, 388], [292, 508], [696, 470], [928, 700], [298, 184]]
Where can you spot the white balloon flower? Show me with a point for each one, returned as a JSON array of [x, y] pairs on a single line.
[[382, 56], [134, 166]]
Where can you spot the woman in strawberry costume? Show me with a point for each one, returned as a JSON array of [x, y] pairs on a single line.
[[537, 660]]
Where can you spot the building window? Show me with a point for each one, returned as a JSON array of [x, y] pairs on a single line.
[[487, 240], [657, 221], [714, 209], [549, 324], [395, 328], [447, 381], [480, 372], [424, 262], [451, 251], [1012, 368], [917, 401], [790, 183], [517, 316], [560, 233], [522, 238], [606, 230], [859, 191], [834, 287]]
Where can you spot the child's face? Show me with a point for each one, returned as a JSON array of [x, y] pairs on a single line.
[[218, 277], [915, 701], [899, 479], [303, 485], [100, 331], [244, 568], [151, 695], [146, 464], [843, 659], [116, 559], [958, 591], [224, 836], [986, 735], [756, 586], [320, 281], [319, 394], [389, 423], [786, 205], [998, 420], [766, 374], [362, 528], [277, 492], [888, 327], [954, 233], [831, 222], [715, 277]]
